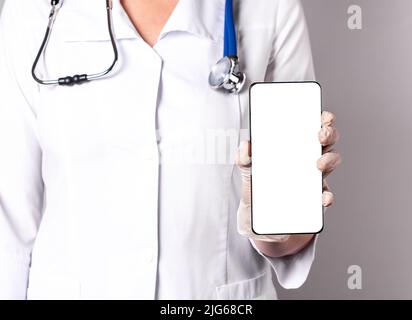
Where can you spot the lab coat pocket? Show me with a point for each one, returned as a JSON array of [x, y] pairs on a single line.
[[53, 287], [258, 288]]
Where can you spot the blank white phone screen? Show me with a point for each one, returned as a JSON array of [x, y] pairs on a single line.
[[285, 119]]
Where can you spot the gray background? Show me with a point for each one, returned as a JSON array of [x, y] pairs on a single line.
[[366, 80], [365, 76]]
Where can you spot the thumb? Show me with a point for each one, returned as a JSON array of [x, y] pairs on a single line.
[[243, 157], [244, 162]]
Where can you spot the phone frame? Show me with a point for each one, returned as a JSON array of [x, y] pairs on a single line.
[[251, 140]]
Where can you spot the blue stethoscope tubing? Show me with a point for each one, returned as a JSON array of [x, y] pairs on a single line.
[[230, 41]]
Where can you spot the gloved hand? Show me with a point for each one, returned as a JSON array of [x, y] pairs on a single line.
[[330, 159]]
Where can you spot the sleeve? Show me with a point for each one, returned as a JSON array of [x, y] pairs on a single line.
[[291, 60], [21, 185], [292, 271]]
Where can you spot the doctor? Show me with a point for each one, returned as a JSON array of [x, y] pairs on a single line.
[[127, 187]]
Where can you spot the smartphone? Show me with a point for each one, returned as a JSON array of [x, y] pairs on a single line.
[[285, 119]]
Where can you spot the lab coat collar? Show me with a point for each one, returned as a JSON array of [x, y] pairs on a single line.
[[203, 18], [86, 20]]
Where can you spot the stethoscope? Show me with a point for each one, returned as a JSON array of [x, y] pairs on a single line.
[[224, 75]]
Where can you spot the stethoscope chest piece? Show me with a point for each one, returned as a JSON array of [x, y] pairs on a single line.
[[225, 74]]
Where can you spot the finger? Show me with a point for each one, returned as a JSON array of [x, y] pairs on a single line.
[[328, 119], [327, 199], [243, 156], [329, 161], [327, 195], [328, 136]]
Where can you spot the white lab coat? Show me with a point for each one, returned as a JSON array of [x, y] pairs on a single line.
[[115, 189]]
